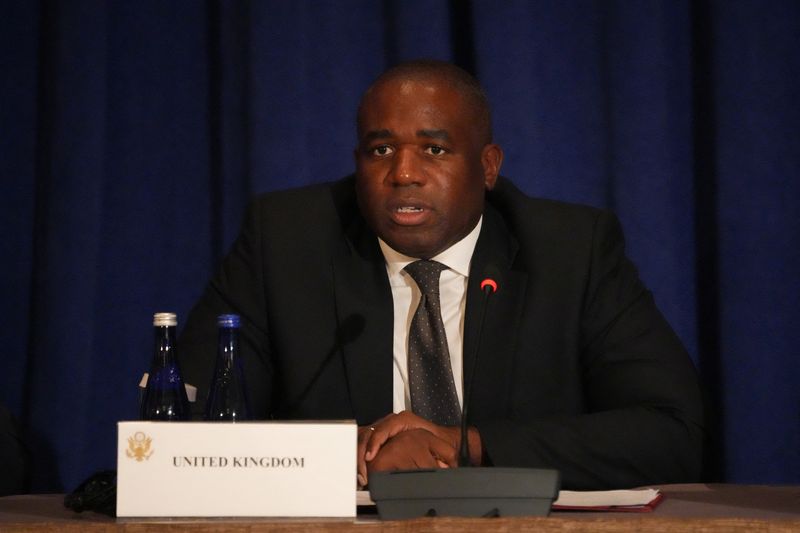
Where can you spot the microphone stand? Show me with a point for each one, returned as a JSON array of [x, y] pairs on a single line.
[[488, 286]]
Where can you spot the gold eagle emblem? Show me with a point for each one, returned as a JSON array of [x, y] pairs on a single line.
[[139, 447]]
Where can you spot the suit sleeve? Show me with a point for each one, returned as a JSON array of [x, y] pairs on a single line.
[[642, 422], [238, 288]]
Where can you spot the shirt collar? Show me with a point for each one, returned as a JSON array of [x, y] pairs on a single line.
[[457, 258]]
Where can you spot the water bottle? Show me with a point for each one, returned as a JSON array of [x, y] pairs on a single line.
[[227, 399], [165, 394]]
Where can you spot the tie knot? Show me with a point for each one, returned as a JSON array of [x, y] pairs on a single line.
[[426, 274]]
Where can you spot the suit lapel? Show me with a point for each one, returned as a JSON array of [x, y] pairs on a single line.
[[364, 307], [493, 257]]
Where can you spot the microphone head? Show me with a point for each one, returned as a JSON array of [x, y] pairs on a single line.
[[488, 285], [491, 275]]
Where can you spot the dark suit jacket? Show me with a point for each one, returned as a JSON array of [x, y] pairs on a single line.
[[577, 369]]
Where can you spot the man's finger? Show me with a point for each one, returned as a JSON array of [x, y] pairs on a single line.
[[443, 451], [364, 434], [415, 448], [392, 425]]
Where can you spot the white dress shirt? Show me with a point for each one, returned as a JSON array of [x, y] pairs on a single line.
[[406, 296]]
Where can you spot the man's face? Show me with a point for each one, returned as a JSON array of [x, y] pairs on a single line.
[[421, 166]]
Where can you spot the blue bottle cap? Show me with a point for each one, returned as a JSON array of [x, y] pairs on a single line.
[[228, 321]]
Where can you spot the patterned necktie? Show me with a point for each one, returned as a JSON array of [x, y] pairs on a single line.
[[430, 376]]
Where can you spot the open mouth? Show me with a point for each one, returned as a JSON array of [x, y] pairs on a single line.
[[409, 215]]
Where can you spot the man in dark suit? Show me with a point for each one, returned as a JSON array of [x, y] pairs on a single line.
[[576, 369]]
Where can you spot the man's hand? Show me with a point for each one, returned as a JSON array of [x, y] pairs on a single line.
[[412, 449], [437, 441]]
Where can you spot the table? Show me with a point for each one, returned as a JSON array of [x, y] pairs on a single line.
[[693, 507]]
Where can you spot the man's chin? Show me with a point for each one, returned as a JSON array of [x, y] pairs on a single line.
[[422, 249]]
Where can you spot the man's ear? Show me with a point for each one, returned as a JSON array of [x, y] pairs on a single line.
[[491, 159]]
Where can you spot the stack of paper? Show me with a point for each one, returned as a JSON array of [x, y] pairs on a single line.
[[638, 500]]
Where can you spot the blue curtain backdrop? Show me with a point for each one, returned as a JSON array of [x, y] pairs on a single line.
[[133, 133]]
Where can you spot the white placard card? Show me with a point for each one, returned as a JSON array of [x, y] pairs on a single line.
[[244, 469]]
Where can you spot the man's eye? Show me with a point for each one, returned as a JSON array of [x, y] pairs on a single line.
[[382, 150], [435, 150]]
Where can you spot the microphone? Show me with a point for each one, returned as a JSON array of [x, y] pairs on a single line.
[[488, 287], [481, 491]]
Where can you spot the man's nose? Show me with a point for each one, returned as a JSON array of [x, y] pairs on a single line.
[[405, 168]]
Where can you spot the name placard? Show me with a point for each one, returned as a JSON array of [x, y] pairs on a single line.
[[243, 469]]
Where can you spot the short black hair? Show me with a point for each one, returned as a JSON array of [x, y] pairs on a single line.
[[441, 71]]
